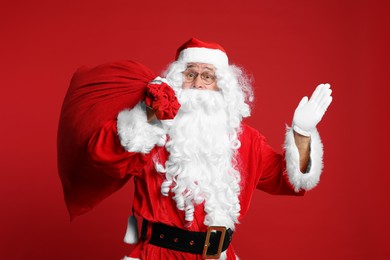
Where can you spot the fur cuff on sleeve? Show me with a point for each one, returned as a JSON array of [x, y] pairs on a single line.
[[135, 133], [310, 179]]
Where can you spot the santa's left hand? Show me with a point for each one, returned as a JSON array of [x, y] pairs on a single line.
[[310, 111], [159, 80]]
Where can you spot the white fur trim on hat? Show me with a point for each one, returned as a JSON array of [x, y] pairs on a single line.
[[215, 57], [135, 133], [130, 258], [310, 179]]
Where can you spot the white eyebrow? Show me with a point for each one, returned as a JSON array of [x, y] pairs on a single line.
[[195, 65]]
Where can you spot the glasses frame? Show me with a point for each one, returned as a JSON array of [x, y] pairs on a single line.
[[187, 72]]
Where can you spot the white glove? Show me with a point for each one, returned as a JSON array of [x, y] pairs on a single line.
[[310, 112], [159, 80]]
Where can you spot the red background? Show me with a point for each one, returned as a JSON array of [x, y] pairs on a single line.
[[288, 46]]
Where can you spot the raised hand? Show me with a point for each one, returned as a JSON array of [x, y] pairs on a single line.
[[310, 111]]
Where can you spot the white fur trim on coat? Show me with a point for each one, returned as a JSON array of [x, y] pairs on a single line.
[[130, 258], [135, 133], [310, 179]]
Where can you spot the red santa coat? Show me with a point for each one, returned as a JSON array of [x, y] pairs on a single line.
[[88, 128], [260, 167]]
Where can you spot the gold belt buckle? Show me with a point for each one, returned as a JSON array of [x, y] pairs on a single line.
[[206, 243]]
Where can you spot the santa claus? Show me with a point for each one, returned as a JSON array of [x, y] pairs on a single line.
[[195, 163]]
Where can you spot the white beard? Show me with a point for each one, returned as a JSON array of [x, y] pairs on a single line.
[[199, 168]]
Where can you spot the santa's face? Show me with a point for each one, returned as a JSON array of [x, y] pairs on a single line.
[[199, 76]]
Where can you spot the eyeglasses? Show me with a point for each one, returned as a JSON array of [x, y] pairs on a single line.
[[206, 77]]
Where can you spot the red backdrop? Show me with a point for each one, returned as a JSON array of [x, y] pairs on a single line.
[[288, 46]]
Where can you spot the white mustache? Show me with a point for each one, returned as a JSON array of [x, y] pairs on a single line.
[[207, 100]]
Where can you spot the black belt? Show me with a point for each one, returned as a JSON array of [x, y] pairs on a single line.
[[209, 244]]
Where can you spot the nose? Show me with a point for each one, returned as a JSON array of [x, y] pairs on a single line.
[[198, 83]]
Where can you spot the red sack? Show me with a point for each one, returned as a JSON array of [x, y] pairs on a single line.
[[95, 96]]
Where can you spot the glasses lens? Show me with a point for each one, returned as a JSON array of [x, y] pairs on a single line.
[[190, 76], [207, 78]]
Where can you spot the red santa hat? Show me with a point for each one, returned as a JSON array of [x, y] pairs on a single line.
[[195, 50]]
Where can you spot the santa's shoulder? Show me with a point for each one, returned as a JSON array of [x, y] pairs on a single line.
[[249, 135]]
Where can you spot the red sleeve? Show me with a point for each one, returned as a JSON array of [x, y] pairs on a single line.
[[106, 153], [272, 170], [263, 168]]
